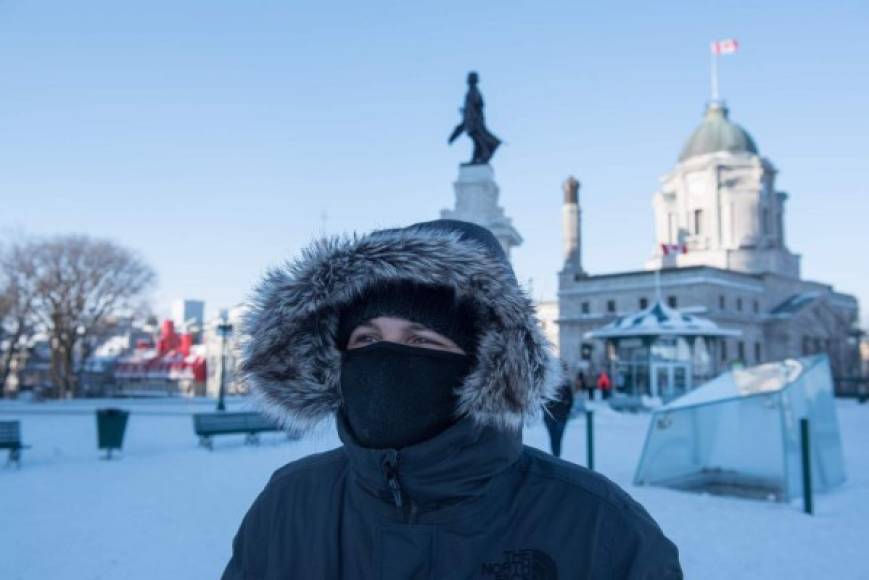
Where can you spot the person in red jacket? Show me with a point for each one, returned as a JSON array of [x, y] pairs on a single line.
[[604, 384]]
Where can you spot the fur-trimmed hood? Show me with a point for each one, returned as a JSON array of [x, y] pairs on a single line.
[[289, 358]]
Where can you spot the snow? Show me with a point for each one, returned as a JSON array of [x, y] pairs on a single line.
[[661, 320], [760, 379], [169, 509]]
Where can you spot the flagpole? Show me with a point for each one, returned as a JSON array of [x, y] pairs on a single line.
[[714, 79]]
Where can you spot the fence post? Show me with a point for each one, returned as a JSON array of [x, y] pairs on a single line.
[[807, 466], [589, 438]]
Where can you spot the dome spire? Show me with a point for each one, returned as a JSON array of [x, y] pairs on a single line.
[[717, 109]]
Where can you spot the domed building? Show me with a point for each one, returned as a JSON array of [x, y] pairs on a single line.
[[720, 204], [720, 253]]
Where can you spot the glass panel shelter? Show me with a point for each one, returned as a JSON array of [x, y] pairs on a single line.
[[739, 434]]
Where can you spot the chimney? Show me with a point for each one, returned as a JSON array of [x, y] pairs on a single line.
[[570, 218]]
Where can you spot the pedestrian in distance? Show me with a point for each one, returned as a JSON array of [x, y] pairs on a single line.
[[583, 387], [604, 384], [556, 415], [421, 346], [579, 383]]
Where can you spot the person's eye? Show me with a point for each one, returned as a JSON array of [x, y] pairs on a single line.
[[364, 339], [424, 340]]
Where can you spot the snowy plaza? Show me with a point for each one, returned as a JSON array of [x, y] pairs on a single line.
[[167, 508], [434, 291]]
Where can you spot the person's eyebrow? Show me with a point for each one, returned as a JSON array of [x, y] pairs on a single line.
[[418, 326]]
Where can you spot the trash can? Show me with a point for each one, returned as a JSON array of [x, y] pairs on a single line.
[[111, 424]]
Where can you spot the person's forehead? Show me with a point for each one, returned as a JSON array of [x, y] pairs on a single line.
[[393, 321]]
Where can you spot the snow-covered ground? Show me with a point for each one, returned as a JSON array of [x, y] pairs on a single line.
[[169, 509]]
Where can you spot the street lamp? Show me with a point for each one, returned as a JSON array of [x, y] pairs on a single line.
[[224, 328]]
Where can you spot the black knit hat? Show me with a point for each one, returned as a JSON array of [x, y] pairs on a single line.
[[435, 307]]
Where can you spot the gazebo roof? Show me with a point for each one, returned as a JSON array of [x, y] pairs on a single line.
[[660, 320]]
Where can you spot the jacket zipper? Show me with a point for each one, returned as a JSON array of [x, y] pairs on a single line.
[[390, 469], [408, 510]]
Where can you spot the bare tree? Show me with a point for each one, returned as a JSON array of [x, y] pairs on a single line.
[[18, 294], [82, 282]]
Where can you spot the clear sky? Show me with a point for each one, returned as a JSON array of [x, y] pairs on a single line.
[[212, 136]]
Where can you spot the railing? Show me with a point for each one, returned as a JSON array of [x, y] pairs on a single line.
[[852, 387]]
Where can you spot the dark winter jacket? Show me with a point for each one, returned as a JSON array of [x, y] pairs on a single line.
[[559, 409], [472, 502]]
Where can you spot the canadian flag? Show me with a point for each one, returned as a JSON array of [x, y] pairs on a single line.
[[726, 46], [668, 249]]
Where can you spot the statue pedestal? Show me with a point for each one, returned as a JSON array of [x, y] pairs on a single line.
[[477, 202]]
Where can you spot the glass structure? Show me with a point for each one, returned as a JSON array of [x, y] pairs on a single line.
[[739, 434]]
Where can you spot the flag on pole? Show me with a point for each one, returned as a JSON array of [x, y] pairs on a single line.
[[668, 249], [726, 46]]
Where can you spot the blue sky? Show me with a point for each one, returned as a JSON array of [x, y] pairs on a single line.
[[212, 136]]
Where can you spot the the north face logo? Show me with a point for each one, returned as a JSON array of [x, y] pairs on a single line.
[[522, 565]]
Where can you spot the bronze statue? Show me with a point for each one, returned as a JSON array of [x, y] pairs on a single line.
[[474, 125]]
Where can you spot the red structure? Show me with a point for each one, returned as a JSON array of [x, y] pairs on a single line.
[[172, 365]]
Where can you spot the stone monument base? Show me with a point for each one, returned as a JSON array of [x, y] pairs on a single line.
[[477, 202]]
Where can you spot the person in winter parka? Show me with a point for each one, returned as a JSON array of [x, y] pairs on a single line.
[[556, 414], [421, 345]]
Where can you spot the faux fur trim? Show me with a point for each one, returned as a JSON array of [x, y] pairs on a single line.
[[288, 355]]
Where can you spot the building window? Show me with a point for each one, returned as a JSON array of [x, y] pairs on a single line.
[[611, 306], [739, 304], [644, 303], [723, 350], [672, 302], [764, 226], [807, 345], [698, 222], [584, 308], [740, 351], [721, 302], [756, 307], [818, 347], [757, 353]]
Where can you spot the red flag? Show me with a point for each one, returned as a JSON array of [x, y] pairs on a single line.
[[726, 46], [668, 249]]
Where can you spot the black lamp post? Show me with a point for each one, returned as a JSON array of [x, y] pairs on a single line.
[[224, 328]]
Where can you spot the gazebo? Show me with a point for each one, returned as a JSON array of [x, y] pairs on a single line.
[[661, 352]]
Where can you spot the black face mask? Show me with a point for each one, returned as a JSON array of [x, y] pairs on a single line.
[[395, 396]]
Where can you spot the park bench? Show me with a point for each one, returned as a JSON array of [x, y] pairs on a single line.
[[207, 425], [10, 438]]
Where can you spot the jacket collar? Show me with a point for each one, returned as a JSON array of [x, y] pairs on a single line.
[[453, 466]]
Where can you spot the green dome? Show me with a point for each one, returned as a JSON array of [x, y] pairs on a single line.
[[717, 133]]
